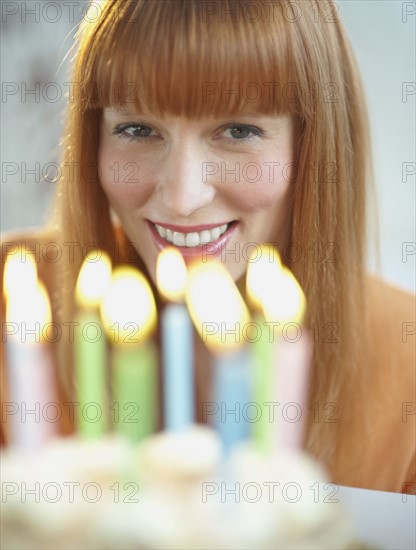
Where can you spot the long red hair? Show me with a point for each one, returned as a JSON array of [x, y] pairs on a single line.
[[194, 58]]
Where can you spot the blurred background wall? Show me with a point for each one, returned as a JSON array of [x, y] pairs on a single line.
[[37, 35]]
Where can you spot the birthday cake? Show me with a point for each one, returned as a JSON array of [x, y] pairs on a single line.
[[192, 485], [173, 490]]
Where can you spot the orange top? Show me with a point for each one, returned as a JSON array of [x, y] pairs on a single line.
[[389, 462], [390, 408]]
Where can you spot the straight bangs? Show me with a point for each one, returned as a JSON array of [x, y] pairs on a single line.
[[189, 58]]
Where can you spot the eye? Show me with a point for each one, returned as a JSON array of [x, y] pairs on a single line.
[[241, 133], [133, 131]]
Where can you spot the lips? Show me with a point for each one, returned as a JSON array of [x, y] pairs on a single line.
[[193, 241]]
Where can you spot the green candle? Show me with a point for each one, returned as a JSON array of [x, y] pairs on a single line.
[[274, 292], [262, 275], [263, 358], [90, 375], [128, 312], [90, 346], [134, 390]]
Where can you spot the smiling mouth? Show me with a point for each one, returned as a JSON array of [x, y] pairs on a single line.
[[192, 239]]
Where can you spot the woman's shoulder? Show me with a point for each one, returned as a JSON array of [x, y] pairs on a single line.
[[383, 292], [389, 373], [392, 343], [31, 239], [392, 320], [39, 242]]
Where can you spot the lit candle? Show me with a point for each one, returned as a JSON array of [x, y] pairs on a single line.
[[286, 305], [262, 273], [29, 364], [177, 342], [220, 317], [128, 312], [90, 346]]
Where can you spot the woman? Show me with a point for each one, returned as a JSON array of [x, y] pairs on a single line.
[[229, 123]]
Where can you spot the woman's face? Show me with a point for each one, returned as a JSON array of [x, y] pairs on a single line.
[[214, 187]]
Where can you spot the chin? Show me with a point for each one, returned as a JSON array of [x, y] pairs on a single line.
[[237, 270]]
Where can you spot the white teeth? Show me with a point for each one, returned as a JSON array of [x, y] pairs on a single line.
[[161, 230], [215, 233], [204, 237], [178, 239], [193, 239]]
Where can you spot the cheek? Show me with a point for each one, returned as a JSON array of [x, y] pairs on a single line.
[[257, 185], [124, 180]]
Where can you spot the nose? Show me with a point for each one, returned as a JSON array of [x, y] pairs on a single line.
[[182, 189]]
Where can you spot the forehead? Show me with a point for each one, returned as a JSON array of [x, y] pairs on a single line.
[[173, 60]]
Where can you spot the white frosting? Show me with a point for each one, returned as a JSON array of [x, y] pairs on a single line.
[[192, 453], [171, 491]]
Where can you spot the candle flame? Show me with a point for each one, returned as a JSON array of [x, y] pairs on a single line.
[[216, 307], [128, 309], [171, 274], [93, 279], [262, 273], [29, 310], [19, 273], [273, 288], [286, 301]]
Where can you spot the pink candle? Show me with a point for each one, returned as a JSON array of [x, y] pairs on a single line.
[[284, 304], [31, 408], [293, 359]]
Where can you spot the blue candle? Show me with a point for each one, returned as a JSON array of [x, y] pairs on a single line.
[[221, 318], [232, 396], [178, 387], [177, 343]]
